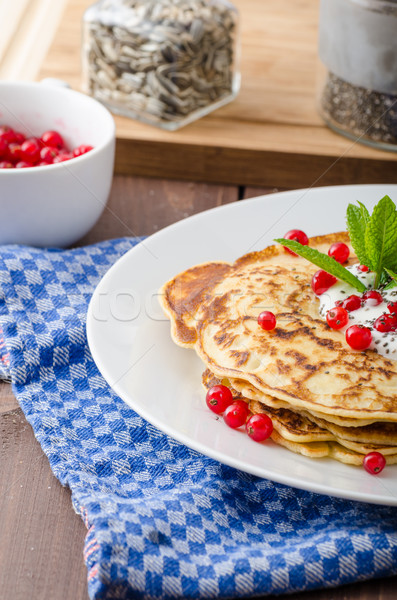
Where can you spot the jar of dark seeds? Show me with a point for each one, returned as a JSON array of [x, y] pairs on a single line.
[[163, 62], [358, 50]]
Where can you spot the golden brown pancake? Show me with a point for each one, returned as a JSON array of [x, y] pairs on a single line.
[[297, 429], [327, 449], [247, 390], [379, 432], [301, 434]]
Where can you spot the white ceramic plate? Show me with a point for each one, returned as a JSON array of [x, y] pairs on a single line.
[[130, 338]]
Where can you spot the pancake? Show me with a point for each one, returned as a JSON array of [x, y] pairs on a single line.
[[301, 434], [214, 307], [327, 450], [248, 391], [292, 426], [379, 433], [301, 425], [297, 433], [298, 427]]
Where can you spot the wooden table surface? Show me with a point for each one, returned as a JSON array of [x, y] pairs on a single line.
[[41, 538]]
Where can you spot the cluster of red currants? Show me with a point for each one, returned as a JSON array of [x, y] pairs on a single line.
[[358, 337], [236, 413], [20, 152]]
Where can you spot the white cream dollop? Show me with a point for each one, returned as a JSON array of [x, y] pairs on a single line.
[[384, 343]]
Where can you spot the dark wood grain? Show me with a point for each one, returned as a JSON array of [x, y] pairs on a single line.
[[139, 206], [8, 401], [252, 192], [41, 538], [221, 164]]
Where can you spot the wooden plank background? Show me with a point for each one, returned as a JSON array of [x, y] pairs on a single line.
[[270, 135], [27, 28]]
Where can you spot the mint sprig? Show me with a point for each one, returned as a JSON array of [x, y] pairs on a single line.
[[325, 262], [374, 240], [381, 238], [357, 218]]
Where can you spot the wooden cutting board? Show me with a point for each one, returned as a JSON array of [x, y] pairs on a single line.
[[270, 135]]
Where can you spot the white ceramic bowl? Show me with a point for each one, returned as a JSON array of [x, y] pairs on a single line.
[[55, 205]]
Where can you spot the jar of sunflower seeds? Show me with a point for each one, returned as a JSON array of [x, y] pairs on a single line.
[[358, 51], [163, 62]]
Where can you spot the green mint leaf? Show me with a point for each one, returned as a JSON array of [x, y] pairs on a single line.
[[364, 211], [357, 218], [381, 237], [325, 262], [393, 281]]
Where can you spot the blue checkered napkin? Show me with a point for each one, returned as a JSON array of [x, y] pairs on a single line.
[[163, 521]]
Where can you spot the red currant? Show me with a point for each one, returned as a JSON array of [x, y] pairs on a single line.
[[7, 134], [372, 298], [363, 268], [386, 322], [392, 307], [22, 164], [53, 139], [358, 337], [351, 303], [5, 164], [298, 236], [19, 137], [339, 251], [374, 462], [322, 281], [267, 320], [48, 154], [236, 414], [30, 151], [3, 148], [337, 317], [259, 427], [218, 398], [80, 150], [14, 152], [62, 157]]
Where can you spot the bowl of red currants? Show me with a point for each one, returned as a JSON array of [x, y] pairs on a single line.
[[56, 163]]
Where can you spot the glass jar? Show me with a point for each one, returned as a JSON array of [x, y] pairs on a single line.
[[358, 50], [163, 62]]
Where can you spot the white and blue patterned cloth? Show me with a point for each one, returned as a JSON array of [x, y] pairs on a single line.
[[163, 521]]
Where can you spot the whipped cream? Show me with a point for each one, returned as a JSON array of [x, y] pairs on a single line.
[[384, 343]]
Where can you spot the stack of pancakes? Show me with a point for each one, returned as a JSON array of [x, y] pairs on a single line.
[[324, 398]]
